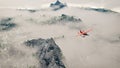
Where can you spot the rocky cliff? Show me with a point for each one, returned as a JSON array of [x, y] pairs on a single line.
[[49, 54]]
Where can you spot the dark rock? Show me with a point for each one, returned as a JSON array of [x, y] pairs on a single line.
[[63, 18], [49, 53], [99, 9], [29, 10], [57, 5], [6, 24], [34, 42], [32, 11]]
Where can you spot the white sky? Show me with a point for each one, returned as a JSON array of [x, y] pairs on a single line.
[[36, 3]]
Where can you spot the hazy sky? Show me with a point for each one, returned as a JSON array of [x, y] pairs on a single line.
[[37, 3]]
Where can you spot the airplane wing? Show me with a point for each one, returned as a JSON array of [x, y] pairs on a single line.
[[88, 31]]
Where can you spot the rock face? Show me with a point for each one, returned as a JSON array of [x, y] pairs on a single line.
[[100, 10], [6, 24], [29, 10], [65, 17], [62, 19], [57, 5], [49, 53]]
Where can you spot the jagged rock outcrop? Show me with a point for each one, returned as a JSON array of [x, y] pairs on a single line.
[[29, 10], [62, 19], [49, 53], [99, 9], [57, 5], [6, 24]]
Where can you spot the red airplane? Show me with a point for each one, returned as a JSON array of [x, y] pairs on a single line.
[[83, 33]]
